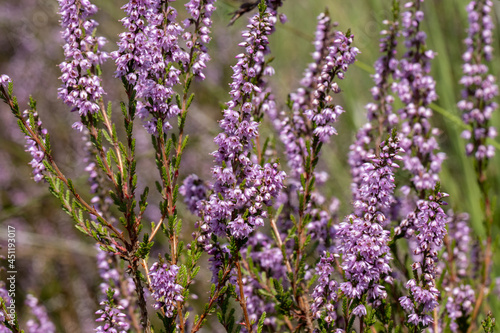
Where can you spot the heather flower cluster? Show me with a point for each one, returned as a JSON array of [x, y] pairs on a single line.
[[416, 89], [480, 90], [32, 146], [323, 112], [364, 242], [194, 191], [282, 258], [380, 113], [201, 17], [42, 323], [153, 44], [324, 294], [430, 221], [112, 317], [243, 188], [460, 305], [166, 291], [81, 87]]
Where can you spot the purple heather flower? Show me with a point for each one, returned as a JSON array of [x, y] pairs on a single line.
[[166, 291], [81, 88], [416, 89], [256, 304], [359, 311], [324, 295], [363, 240], [42, 324], [194, 191], [146, 57], [32, 146], [243, 188], [4, 295], [379, 112], [201, 13], [111, 280], [480, 88], [113, 319], [460, 304], [5, 80], [430, 221], [322, 112], [460, 233]]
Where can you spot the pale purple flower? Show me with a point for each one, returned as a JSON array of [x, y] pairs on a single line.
[[480, 88], [37, 153], [460, 304], [201, 13], [324, 295], [41, 323], [429, 221], [242, 188], [194, 191], [112, 318], [459, 233], [166, 291], [5, 80], [363, 240], [416, 89], [380, 113], [81, 87], [341, 54]]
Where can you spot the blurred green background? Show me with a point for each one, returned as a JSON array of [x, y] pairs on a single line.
[[57, 264]]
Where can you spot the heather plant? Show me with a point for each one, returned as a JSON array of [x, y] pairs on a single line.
[[260, 240]]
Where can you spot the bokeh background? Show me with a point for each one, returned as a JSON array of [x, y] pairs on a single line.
[[56, 263]]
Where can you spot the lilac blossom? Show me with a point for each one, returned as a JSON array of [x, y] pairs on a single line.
[[42, 324], [201, 13], [81, 87], [324, 295], [430, 221], [256, 304], [459, 233], [243, 188], [293, 129], [269, 259], [416, 89], [155, 83], [194, 191], [363, 240], [5, 80], [166, 291], [331, 57], [147, 56], [323, 112], [32, 147], [380, 113], [480, 89], [460, 305], [113, 319]]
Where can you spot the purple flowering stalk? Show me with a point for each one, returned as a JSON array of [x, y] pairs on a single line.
[[152, 62], [166, 291], [81, 85], [416, 89], [295, 131], [308, 125], [381, 117], [426, 225], [364, 243], [41, 323], [430, 221], [477, 105], [122, 288], [242, 188]]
